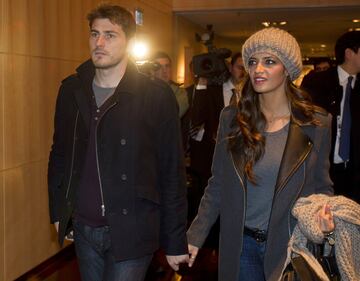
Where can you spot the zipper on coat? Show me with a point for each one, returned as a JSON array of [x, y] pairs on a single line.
[[72, 155], [245, 196], [97, 161]]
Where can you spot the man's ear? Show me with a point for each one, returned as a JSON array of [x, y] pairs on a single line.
[[348, 54]]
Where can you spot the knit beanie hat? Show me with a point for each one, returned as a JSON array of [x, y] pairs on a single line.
[[277, 42]]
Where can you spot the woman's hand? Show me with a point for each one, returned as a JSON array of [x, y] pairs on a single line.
[[325, 219], [193, 251]]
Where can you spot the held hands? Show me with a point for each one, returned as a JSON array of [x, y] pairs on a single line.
[[174, 261], [325, 219]]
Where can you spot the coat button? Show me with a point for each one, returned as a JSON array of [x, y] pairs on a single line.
[[123, 141], [123, 177], [124, 212]]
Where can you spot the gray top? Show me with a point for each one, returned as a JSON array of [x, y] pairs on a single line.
[[260, 196], [102, 94]]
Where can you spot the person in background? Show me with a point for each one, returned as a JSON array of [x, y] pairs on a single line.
[[116, 175], [232, 87], [322, 65], [272, 148], [338, 91], [163, 72]]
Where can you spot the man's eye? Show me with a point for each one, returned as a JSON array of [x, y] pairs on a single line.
[[110, 36], [93, 34]]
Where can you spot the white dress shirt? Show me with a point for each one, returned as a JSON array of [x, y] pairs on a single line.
[[343, 80]]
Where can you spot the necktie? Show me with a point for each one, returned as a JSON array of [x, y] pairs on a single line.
[[344, 149], [233, 99]]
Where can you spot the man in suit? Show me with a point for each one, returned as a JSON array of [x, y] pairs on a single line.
[[116, 173], [338, 91]]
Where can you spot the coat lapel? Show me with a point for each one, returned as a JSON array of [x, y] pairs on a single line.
[[84, 105], [297, 148], [235, 155]]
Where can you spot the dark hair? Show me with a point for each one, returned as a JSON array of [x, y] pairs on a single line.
[[235, 57], [117, 15], [349, 40], [249, 124], [161, 55]]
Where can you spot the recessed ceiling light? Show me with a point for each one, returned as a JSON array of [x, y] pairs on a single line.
[[274, 23], [323, 46], [356, 20], [357, 29]]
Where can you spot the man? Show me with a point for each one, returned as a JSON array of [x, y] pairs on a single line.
[[116, 174], [338, 91], [164, 73], [322, 65], [232, 86]]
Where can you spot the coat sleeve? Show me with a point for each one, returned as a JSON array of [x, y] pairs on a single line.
[[323, 183], [172, 179], [209, 208], [56, 162]]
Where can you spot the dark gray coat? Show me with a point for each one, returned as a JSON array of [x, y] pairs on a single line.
[[303, 171]]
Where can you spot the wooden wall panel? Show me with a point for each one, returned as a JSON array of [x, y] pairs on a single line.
[[3, 25], [2, 228], [54, 29], [32, 84], [2, 135], [29, 237], [198, 5]]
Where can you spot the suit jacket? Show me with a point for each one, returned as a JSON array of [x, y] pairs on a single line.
[[326, 91], [140, 162], [205, 110], [303, 171]]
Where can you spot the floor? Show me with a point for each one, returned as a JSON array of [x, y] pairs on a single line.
[[65, 268]]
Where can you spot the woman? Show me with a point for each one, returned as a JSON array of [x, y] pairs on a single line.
[[272, 148]]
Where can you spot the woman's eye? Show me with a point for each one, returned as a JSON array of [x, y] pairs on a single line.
[[270, 61], [252, 62]]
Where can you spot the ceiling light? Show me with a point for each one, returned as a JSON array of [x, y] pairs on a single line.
[[283, 23], [323, 46], [356, 20], [266, 23]]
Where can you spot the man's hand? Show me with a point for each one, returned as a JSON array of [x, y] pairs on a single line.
[[174, 261], [193, 251], [69, 237], [56, 224]]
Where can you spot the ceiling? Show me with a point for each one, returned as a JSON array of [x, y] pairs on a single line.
[[312, 27]]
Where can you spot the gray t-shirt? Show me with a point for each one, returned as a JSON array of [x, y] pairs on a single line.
[[260, 196], [102, 94]]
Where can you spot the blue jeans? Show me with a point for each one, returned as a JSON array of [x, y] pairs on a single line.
[[252, 260], [96, 260]]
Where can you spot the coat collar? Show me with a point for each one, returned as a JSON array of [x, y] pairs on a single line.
[[297, 148], [128, 86]]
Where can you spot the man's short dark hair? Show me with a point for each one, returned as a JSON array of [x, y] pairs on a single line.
[[235, 57], [160, 55], [349, 40], [117, 15]]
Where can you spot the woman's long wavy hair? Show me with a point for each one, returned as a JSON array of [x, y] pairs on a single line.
[[249, 124]]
